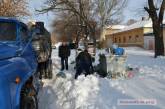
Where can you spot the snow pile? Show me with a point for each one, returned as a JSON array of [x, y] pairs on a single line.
[[89, 92], [58, 44], [93, 92]]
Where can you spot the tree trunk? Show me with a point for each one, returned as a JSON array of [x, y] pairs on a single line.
[[94, 40], [157, 20], [159, 45], [102, 35]]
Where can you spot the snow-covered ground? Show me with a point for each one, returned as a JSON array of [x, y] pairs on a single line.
[[93, 92]]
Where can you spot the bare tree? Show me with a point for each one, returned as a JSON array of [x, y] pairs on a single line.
[[13, 8], [89, 13], [156, 14], [79, 9], [109, 11], [66, 27]]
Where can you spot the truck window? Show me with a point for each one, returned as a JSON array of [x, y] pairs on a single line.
[[36, 31], [7, 31], [24, 34]]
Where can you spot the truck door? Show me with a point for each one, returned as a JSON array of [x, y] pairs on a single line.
[[29, 53]]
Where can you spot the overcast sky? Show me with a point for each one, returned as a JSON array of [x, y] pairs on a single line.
[[132, 11], [47, 18]]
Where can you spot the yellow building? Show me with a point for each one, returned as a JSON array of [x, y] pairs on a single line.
[[137, 34], [109, 30]]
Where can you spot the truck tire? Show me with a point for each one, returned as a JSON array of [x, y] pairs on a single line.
[[44, 72], [49, 69], [45, 69], [28, 98], [41, 70], [30, 103]]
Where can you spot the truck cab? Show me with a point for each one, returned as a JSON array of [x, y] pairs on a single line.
[[19, 81]]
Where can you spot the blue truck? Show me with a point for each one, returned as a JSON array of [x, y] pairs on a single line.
[[20, 73]]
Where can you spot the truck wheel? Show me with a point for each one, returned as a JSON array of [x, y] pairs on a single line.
[[41, 70], [49, 69], [45, 70], [30, 103]]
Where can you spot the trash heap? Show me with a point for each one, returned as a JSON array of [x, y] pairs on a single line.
[[117, 67]]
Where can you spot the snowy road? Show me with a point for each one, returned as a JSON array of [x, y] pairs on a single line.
[[92, 92]]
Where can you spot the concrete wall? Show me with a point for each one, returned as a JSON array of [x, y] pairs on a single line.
[[149, 42], [148, 30]]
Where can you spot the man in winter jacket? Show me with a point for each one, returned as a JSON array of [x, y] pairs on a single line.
[[64, 53], [83, 63]]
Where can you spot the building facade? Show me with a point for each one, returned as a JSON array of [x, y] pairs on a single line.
[[137, 34]]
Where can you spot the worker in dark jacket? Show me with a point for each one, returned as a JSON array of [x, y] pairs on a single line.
[[64, 53], [83, 63]]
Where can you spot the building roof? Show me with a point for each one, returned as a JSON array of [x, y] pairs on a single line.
[[139, 24], [116, 27], [149, 34]]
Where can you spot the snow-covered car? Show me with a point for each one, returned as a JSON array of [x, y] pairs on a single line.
[[54, 47]]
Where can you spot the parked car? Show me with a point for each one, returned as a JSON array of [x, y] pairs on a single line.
[[54, 47]]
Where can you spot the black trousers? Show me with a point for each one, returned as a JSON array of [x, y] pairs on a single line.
[[64, 63], [81, 69]]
